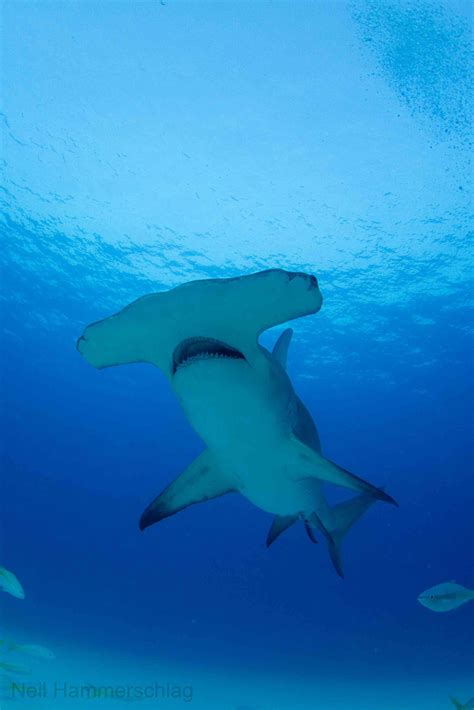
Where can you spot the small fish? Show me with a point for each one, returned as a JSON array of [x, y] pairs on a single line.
[[12, 668], [462, 706], [40, 652], [445, 597], [9, 583]]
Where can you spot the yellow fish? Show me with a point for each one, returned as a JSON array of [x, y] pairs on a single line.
[[12, 668], [445, 596], [9, 583], [462, 706], [40, 652]]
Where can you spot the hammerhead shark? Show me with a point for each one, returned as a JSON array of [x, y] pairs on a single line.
[[260, 438]]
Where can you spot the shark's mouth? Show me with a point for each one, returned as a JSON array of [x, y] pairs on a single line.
[[200, 348]]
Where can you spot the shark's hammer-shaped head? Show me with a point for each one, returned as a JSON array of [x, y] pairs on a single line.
[[212, 318]]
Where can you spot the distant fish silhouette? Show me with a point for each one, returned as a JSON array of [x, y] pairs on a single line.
[[10, 584], [462, 706], [445, 597]]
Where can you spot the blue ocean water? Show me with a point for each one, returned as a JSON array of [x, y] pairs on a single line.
[[147, 144]]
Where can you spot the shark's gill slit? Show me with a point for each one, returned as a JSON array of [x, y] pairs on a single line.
[[202, 348]]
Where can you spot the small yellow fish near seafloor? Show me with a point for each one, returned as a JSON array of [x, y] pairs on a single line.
[[463, 706], [445, 597], [12, 668], [28, 649], [9, 583]]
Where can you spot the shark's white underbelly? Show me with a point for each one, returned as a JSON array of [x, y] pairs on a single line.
[[243, 419], [271, 481], [260, 474], [233, 408]]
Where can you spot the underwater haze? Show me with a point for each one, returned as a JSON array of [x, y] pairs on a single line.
[[149, 144]]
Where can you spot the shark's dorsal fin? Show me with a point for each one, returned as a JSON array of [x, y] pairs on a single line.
[[201, 481], [280, 349]]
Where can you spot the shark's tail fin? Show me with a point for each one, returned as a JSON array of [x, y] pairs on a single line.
[[343, 515]]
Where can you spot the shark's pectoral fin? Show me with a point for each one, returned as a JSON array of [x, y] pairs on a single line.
[[201, 481], [279, 525], [313, 465]]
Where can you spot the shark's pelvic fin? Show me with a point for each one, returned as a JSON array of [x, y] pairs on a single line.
[[201, 481], [282, 523], [313, 465], [279, 525], [280, 349], [343, 517]]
